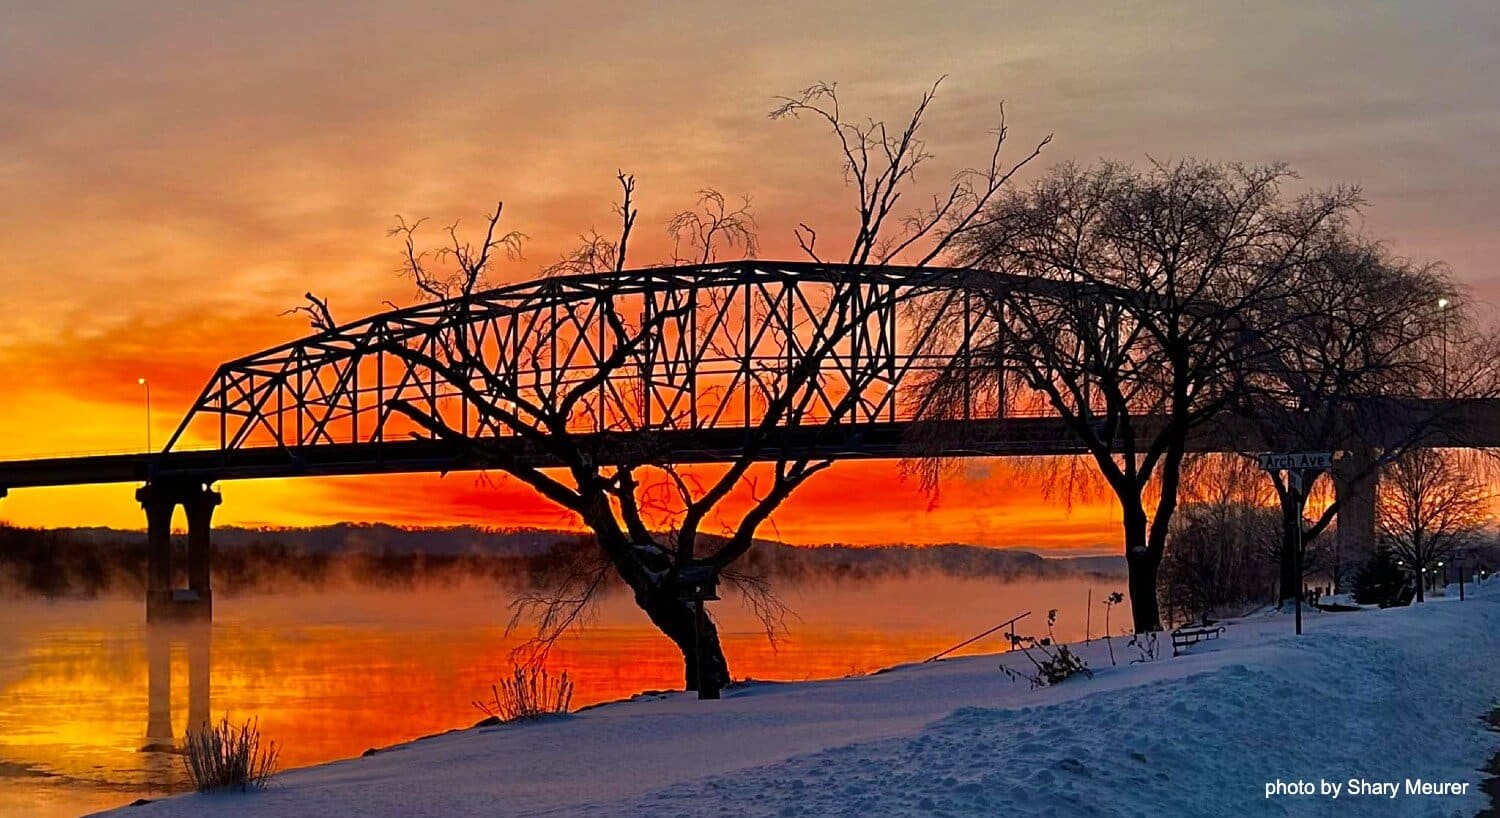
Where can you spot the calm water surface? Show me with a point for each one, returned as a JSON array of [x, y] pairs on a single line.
[[90, 697]]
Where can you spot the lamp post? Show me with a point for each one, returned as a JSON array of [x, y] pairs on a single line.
[[1442, 305], [147, 384]]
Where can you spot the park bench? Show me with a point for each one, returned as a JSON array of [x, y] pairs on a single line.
[[1182, 637]]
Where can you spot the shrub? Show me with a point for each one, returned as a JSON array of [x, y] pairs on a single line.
[[1145, 644], [530, 693], [1057, 664], [1218, 547], [228, 756], [1061, 667]]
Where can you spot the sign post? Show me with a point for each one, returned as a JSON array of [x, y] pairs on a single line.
[[696, 583], [1298, 466]]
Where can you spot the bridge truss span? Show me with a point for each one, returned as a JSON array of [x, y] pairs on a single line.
[[708, 347]]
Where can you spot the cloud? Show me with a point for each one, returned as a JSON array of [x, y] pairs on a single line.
[[178, 173]]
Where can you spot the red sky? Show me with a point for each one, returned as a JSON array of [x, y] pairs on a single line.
[[178, 174]]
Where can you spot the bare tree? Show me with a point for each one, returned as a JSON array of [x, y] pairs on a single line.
[[1352, 368], [1220, 553], [1431, 504], [1146, 293], [881, 163], [698, 233], [651, 355]]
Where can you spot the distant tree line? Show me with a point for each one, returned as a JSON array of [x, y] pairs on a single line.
[[63, 564], [73, 565]]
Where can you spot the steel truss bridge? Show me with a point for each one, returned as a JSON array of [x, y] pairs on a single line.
[[678, 364], [718, 341]]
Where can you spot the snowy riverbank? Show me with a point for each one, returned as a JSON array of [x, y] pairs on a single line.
[[1374, 697]]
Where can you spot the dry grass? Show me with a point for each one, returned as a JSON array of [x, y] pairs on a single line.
[[227, 756], [530, 693]]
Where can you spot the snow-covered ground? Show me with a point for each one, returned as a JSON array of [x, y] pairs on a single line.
[[1375, 696]]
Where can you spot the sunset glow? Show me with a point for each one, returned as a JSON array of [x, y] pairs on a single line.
[[176, 186]]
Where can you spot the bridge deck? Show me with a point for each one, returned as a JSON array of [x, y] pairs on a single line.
[[1012, 437], [1476, 425]]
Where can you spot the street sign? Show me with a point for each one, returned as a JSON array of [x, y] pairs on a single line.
[[1272, 461], [1295, 464]]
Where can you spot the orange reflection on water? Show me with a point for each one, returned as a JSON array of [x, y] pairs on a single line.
[[85, 686]]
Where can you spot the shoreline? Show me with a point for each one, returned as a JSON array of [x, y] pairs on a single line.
[[958, 736]]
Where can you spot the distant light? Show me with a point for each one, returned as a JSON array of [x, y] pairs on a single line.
[[1443, 303], [141, 381]]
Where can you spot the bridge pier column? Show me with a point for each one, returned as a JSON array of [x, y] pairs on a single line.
[[160, 499], [199, 506], [158, 507], [1354, 484]]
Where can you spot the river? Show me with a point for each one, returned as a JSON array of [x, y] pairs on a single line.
[[90, 698]]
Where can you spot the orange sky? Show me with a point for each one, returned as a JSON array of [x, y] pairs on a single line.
[[177, 174]]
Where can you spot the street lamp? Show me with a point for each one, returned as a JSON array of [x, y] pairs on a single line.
[[147, 384], [1442, 305]]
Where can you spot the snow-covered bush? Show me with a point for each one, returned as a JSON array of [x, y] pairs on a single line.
[[1058, 663], [1146, 645], [1062, 666], [228, 756], [530, 693]]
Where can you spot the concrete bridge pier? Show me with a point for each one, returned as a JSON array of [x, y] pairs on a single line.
[[1354, 483], [159, 499]]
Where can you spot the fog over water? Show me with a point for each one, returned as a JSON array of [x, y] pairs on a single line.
[[84, 685]]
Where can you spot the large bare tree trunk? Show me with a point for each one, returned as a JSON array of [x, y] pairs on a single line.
[[1144, 609], [648, 572], [1142, 564], [675, 618]]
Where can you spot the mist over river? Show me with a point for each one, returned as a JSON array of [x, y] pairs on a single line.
[[85, 686]]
